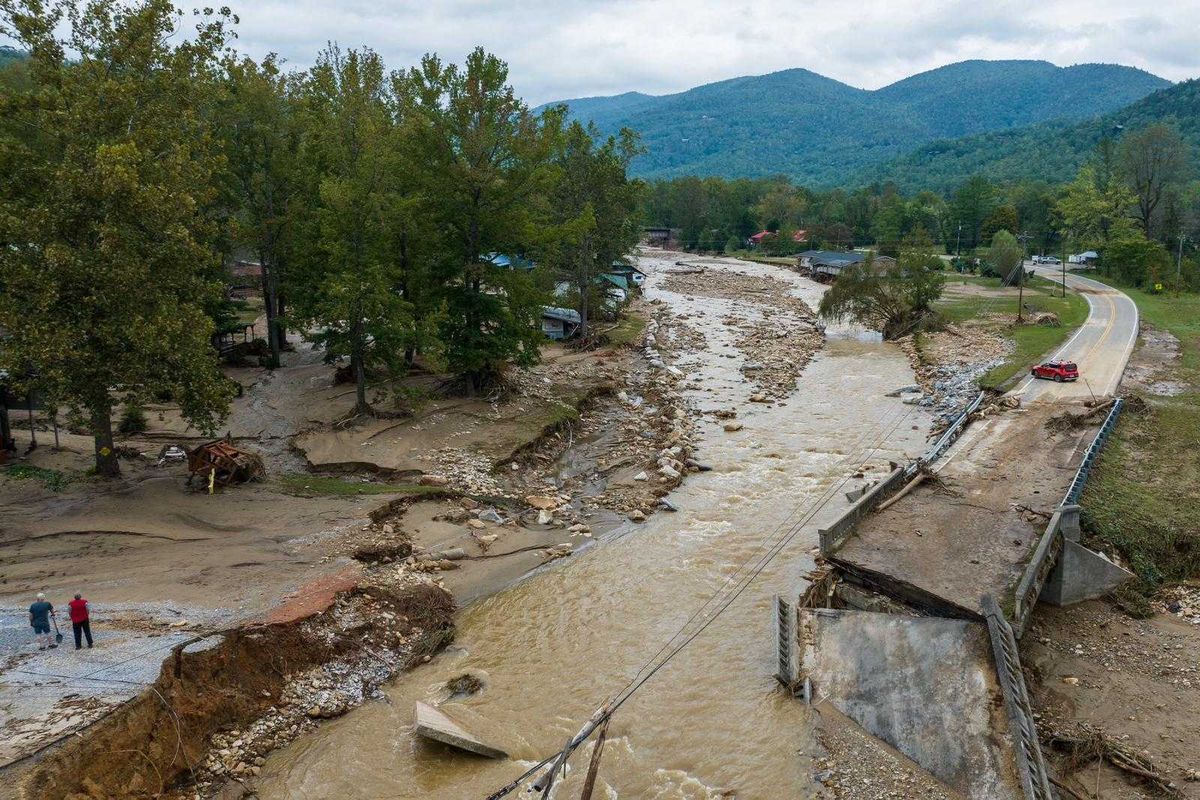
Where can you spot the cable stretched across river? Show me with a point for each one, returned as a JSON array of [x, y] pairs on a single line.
[[711, 609]]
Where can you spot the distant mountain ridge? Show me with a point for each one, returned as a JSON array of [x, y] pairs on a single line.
[[819, 130], [1052, 152]]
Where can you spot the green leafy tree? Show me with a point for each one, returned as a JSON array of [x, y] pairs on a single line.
[[894, 297], [1095, 208], [345, 281], [1154, 162], [488, 166], [107, 209], [1008, 256], [262, 142], [1139, 261], [972, 204], [595, 205], [1002, 218]]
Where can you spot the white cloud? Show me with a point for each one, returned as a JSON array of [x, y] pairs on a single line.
[[574, 48]]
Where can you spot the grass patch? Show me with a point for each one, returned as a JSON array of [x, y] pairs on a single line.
[[1032, 342], [52, 479], [1143, 495], [627, 330], [304, 485]]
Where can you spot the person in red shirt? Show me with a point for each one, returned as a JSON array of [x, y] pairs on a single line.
[[80, 623]]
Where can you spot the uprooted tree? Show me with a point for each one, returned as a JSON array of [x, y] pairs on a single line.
[[894, 297], [107, 209]]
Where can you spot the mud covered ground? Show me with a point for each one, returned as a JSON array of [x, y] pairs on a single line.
[[466, 495]]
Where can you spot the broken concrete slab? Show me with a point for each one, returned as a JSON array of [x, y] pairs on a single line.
[[1081, 575], [925, 685], [432, 723]]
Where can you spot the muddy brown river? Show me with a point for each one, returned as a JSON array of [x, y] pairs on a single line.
[[555, 646]]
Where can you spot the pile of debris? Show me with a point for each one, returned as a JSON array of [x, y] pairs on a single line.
[[949, 365], [389, 639], [221, 463]]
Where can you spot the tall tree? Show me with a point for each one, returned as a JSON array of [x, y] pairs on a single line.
[[345, 281], [105, 209], [972, 204], [1154, 161], [261, 143], [893, 297], [488, 166], [594, 204]]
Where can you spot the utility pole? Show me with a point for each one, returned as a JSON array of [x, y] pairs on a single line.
[[1023, 239], [958, 246], [1179, 265], [1064, 267]]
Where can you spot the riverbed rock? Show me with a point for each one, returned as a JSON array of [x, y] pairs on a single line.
[[731, 427], [637, 516]]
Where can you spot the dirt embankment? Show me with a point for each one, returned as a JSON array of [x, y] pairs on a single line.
[[1117, 697], [225, 700]]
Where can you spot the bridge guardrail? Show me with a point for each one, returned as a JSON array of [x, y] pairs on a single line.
[[1031, 767], [948, 437], [1093, 451]]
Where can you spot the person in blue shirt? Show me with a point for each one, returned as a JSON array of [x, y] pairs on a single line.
[[39, 617]]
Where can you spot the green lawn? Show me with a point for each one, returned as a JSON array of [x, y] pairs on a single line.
[[1032, 342], [627, 330], [1144, 495]]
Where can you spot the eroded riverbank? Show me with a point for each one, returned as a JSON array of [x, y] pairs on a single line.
[[553, 647]]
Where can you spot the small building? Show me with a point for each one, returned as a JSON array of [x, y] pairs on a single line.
[[632, 275], [506, 261], [757, 239], [1088, 258], [560, 323], [825, 265], [666, 238]]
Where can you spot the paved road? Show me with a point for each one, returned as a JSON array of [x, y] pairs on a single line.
[[1101, 347]]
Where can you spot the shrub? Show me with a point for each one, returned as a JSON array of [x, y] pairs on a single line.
[[133, 420]]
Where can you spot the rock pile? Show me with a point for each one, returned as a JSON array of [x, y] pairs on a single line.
[[949, 364]]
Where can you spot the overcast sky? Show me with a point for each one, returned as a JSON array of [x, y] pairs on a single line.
[[559, 49]]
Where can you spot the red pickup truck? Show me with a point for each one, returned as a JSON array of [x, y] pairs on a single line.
[[1056, 370]]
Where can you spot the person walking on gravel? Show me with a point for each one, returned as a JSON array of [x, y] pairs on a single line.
[[39, 618], [78, 610]]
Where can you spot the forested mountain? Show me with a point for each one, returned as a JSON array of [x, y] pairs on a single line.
[[819, 130], [1052, 152], [9, 55]]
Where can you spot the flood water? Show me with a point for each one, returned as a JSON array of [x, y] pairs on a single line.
[[554, 647]]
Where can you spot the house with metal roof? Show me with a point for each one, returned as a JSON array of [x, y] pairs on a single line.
[[825, 265], [506, 261], [560, 323]]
